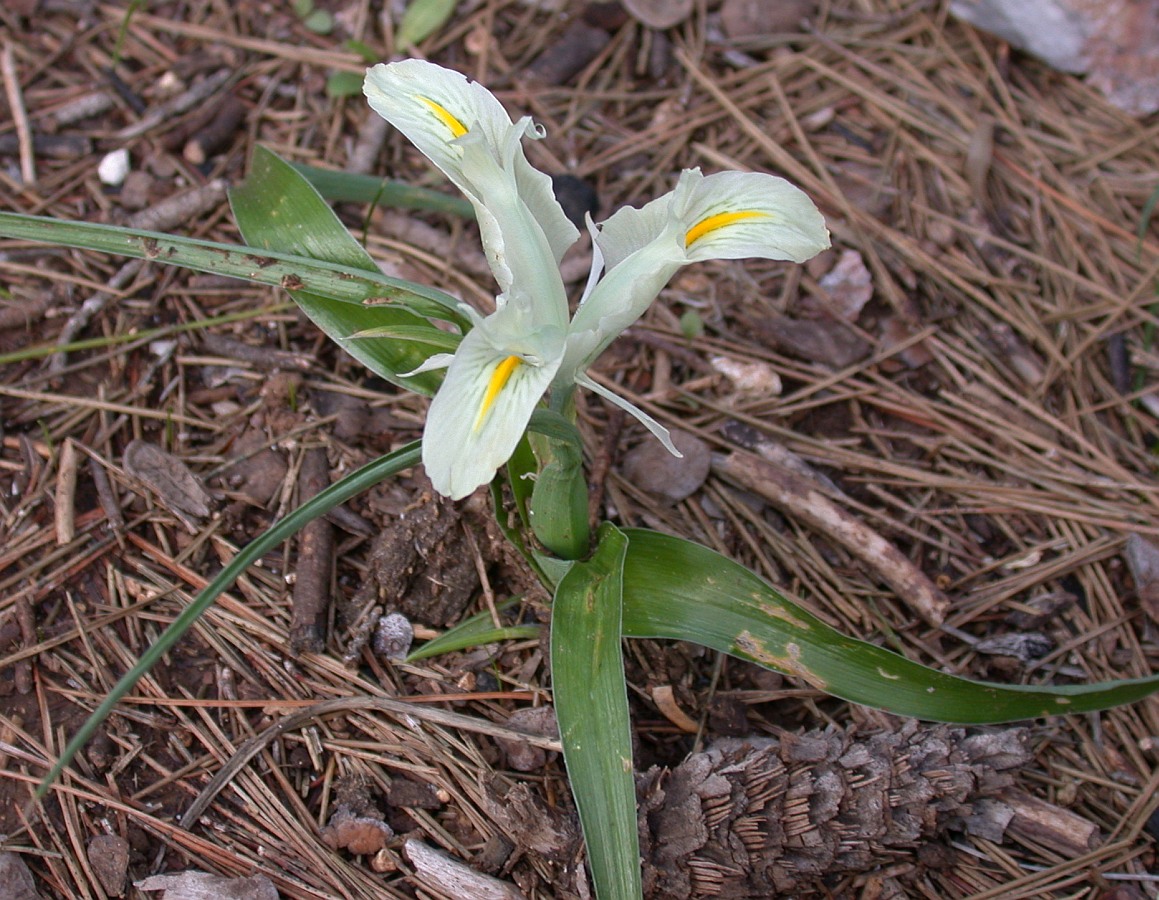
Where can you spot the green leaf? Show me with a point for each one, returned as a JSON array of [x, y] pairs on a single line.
[[685, 592], [554, 425], [422, 19], [235, 260], [521, 471], [303, 8], [478, 629], [343, 84], [349, 187], [591, 703], [338, 493], [437, 341], [319, 22], [277, 209], [691, 325], [369, 54]]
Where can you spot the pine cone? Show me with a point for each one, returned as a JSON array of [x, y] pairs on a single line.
[[763, 817]]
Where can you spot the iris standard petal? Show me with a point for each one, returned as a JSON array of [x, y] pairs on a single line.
[[482, 409], [519, 252], [621, 297]]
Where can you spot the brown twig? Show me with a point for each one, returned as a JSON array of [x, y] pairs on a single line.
[[217, 132], [315, 561], [806, 500], [19, 114], [199, 93]]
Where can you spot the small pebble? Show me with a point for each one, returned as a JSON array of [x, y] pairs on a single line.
[[113, 169], [393, 636], [653, 469]]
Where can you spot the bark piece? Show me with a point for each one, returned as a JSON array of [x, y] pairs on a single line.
[[1143, 563], [407, 794], [259, 471], [315, 561], [652, 468], [449, 876], [659, 13], [356, 825], [825, 340], [16, 882], [524, 818], [217, 131], [422, 565], [577, 46], [762, 817], [1115, 42], [537, 720], [757, 18], [109, 857], [360, 835], [848, 286], [194, 885], [1063, 831], [178, 489], [755, 379]]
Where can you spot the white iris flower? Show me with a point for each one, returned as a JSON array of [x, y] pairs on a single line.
[[510, 359]]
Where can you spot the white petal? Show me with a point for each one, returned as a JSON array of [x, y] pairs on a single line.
[[642, 249], [465, 131], [517, 247], [736, 215], [629, 229], [730, 215], [620, 298], [433, 363], [646, 420], [434, 107], [482, 409]]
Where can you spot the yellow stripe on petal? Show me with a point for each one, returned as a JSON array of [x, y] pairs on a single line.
[[499, 379], [457, 128], [720, 220]]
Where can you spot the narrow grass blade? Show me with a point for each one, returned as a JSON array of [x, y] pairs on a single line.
[[473, 631], [682, 591], [339, 492], [591, 703], [238, 261]]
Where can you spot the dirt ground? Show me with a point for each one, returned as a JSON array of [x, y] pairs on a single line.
[[971, 372]]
